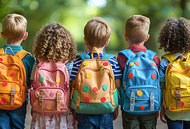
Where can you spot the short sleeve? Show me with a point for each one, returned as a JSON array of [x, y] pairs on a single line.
[[116, 68], [163, 65]]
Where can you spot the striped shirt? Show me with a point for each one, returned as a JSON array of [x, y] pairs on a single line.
[[113, 62]]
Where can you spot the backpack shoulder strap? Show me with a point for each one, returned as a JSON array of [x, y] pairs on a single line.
[[150, 54], [22, 53], [127, 53], [2, 52], [84, 56], [170, 57], [108, 56]]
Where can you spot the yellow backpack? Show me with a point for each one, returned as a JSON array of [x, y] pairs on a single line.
[[12, 80], [94, 90], [176, 95]]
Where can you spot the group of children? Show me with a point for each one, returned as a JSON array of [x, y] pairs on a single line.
[[83, 91]]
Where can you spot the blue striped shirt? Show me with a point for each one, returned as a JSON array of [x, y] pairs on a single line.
[[113, 62]]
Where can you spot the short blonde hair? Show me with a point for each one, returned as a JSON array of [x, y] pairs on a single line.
[[137, 28], [14, 27], [97, 31]]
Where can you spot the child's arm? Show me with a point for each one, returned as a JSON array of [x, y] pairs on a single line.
[[118, 84]]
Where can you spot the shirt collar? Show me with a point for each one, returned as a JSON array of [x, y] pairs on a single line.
[[95, 54], [14, 47], [138, 48]]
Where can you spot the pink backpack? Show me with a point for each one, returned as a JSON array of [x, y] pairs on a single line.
[[50, 91]]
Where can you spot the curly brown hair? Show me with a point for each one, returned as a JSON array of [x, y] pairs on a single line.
[[175, 35], [54, 42]]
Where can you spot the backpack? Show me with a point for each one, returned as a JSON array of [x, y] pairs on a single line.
[[176, 95], [13, 87], [140, 91], [94, 90], [50, 90]]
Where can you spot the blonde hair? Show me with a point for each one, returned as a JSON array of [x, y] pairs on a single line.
[[55, 43], [137, 27], [97, 31], [14, 27]]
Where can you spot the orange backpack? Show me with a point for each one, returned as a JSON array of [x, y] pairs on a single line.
[[13, 86]]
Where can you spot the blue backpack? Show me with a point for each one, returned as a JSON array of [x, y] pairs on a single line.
[[140, 91]]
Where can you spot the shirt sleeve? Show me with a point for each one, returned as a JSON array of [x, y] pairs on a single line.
[[163, 65], [28, 62], [75, 68], [122, 60], [156, 60], [116, 68], [69, 67]]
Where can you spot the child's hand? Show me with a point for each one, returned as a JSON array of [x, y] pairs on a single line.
[[115, 114], [162, 114]]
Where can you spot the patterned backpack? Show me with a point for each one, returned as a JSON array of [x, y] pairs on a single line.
[[13, 86], [94, 90], [140, 91], [176, 95], [50, 91]]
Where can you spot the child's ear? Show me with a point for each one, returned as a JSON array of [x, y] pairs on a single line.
[[25, 36], [85, 41], [2, 35], [107, 42], [147, 37], [125, 35]]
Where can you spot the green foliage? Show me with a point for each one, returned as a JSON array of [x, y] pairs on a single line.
[[74, 14]]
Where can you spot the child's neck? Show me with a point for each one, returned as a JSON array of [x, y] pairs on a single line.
[[99, 49], [16, 43], [136, 44]]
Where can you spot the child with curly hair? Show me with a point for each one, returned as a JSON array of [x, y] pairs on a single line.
[[54, 47], [175, 39]]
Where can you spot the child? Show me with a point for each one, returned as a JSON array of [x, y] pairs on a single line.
[[175, 39], [96, 37], [14, 32], [137, 28], [54, 45]]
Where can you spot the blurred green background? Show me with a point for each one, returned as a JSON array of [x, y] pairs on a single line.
[[74, 14]]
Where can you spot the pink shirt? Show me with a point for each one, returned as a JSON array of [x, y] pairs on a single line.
[[122, 60]]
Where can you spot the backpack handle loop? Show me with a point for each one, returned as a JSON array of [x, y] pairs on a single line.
[[10, 49], [95, 50], [181, 57]]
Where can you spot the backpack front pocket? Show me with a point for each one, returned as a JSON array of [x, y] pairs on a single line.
[[49, 100], [142, 100]]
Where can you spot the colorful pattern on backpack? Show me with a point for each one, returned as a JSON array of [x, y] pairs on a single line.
[[176, 95], [50, 91], [140, 91], [13, 86], [94, 90]]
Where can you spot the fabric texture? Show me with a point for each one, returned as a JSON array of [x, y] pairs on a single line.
[[113, 61], [95, 121], [117, 75], [171, 115], [177, 124], [53, 121], [135, 49], [132, 121], [16, 118]]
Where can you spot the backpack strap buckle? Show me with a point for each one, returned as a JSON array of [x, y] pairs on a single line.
[[152, 101], [58, 99], [178, 97], [41, 99], [12, 94], [132, 100]]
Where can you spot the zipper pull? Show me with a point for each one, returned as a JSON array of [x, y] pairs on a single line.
[[101, 70]]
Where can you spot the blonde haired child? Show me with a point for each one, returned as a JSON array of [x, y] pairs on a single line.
[[53, 43], [14, 32]]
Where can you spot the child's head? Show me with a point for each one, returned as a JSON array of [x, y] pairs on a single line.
[[136, 29], [54, 42], [175, 35], [97, 32], [14, 28]]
